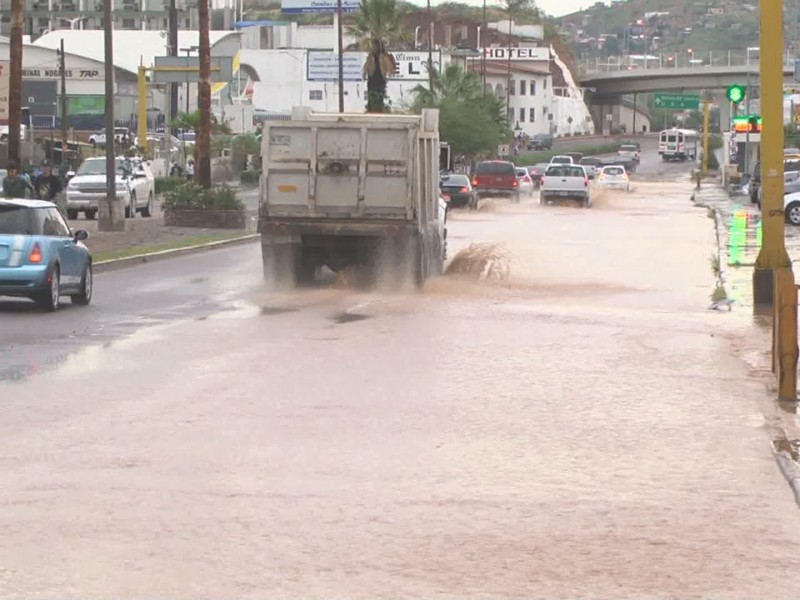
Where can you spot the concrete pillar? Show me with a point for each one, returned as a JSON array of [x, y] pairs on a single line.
[[725, 116]]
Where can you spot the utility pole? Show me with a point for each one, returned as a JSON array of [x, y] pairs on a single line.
[[508, 73], [774, 289], [430, 50], [63, 69], [203, 148], [15, 82], [340, 44], [483, 50], [706, 133], [747, 134], [173, 87], [111, 217]]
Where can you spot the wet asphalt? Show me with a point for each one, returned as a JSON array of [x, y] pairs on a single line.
[[582, 428]]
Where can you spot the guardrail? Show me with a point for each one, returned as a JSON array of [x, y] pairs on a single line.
[[675, 60]]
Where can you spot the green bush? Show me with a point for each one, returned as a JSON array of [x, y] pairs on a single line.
[[191, 196], [533, 158], [249, 177], [165, 184]]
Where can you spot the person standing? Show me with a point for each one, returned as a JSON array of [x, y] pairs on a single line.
[[14, 186], [47, 186]]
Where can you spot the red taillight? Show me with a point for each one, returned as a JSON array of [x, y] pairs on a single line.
[[35, 255], [474, 182], [585, 183], [541, 180], [464, 190], [516, 183]]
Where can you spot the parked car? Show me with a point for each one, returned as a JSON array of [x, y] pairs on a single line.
[[790, 167], [40, 258], [134, 182], [791, 208], [566, 182], [457, 191], [614, 177], [541, 141], [562, 159], [525, 181], [496, 178]]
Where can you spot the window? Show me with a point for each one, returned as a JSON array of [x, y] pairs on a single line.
[[129, 23], [544, 84], [533, 87], [315, 94], [522, 87], [511, 87], [544, 111], [53, 223], [44, 22], [532, 112], [521, 115]]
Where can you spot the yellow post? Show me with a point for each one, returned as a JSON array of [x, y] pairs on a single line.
[[142, 129], [772, 254], [706, 133], [784, 334]]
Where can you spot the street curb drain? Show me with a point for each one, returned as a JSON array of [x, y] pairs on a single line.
[[120, 263]]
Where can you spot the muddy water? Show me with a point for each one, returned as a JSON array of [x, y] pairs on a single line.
[[580, 429]]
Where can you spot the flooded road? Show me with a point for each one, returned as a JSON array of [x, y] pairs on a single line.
[[579, 428]]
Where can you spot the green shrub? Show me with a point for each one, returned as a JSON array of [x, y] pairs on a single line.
[[533, 158], [165, 184], [249, 177], [191, 196]]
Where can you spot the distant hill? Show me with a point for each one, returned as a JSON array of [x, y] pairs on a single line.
[[672, 25]]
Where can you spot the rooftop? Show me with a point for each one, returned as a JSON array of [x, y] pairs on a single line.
[[131, 48]]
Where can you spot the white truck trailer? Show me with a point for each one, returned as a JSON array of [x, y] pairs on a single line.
[[351, 190]]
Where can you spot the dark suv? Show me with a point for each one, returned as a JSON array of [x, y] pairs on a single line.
[[496, 178], [541, 141]]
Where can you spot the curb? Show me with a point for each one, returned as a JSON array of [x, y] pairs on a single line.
[[129, 261]]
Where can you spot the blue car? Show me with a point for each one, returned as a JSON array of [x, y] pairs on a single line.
[[40, 258]]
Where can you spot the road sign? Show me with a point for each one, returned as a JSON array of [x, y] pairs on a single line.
[[186, 69], [503, 150], [677, 101]]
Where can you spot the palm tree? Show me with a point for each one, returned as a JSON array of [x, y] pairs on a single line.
[[376, 25], [452, 82]]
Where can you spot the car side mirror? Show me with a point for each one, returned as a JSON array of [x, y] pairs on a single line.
[[81, 235]]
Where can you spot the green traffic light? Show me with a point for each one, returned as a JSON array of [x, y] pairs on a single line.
[[735, 93]]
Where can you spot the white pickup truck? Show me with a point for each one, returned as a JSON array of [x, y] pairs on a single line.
[[566, 182]]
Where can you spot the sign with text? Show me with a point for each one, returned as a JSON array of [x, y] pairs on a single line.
[[531, 54], [324, 66], [317, 6], [55, 73], [186, 69], [5, 83], [677, 101]]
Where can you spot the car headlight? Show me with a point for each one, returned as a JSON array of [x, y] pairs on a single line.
[[72, 185]]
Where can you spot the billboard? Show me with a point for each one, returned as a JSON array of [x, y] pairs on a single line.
[[317, 6], [40, 97], [324, 66], [86, 105]]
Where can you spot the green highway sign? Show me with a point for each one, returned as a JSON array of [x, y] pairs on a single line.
[[677, 101]]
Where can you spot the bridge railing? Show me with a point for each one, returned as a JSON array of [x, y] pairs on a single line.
[[675, 60]]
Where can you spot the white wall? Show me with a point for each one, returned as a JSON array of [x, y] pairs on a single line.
[[522, 105]]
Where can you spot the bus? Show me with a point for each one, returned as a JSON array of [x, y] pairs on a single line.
[[678, 144]]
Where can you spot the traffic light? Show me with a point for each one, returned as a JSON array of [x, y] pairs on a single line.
[[735, 93]]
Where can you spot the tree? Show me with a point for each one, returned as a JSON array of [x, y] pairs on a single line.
[[203, 147], [473, 123], [377, 25]]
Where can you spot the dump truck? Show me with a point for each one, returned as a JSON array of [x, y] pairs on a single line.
[[351, 191]]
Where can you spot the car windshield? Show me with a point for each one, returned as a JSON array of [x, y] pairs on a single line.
[[97, 166], [522, 173], [614, 171], [495, 168], [456, 180], [561, 160], [627, 148]]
